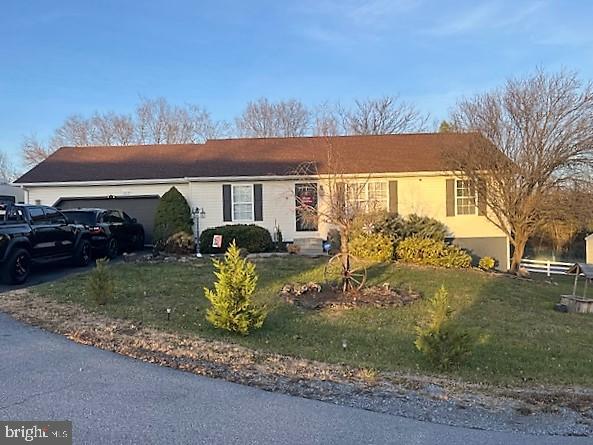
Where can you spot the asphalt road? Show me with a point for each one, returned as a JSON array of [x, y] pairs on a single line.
[[113, 399]]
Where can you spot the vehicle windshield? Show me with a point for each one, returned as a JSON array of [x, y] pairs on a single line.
[[84, 218]]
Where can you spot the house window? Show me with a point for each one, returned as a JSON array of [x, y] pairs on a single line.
[[466, 198], [377, 195], [367, 196], [242, 200]]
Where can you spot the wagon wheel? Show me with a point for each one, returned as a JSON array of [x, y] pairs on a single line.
[[347, 271]]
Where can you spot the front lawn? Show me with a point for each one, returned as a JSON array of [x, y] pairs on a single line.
[[521, 338]]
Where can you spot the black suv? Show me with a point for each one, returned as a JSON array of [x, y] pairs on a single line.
[[41, 234], [112, 231]]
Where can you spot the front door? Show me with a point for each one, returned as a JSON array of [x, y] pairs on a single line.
[[305, 202]]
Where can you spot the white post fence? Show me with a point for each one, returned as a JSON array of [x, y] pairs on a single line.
[[546, 266]]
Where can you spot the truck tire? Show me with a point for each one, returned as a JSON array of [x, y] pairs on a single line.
[[17, 267], [82, 256]]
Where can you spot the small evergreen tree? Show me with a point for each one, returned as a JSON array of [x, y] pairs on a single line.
[[173, 216], [444, 344], [231, 306], [445, 127], [100, 284]]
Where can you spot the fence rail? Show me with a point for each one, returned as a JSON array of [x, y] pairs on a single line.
[[545, 266]]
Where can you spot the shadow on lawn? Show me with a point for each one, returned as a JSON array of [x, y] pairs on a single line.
[[520, 338]]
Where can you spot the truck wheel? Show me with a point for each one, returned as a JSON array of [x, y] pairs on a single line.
[[17, 267], [82, 257]]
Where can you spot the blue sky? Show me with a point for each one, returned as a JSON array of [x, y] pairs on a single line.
[[58, 58]]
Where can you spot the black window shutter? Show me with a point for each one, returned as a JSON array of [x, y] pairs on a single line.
[[450, 197], [393, 196], [258, 203], [227, 214]]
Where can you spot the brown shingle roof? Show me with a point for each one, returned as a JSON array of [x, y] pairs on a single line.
[[249, 157]]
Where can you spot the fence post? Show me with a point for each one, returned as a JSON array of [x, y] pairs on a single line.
[[548, 270]]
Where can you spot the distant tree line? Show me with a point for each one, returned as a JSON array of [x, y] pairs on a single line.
[[156, 121]]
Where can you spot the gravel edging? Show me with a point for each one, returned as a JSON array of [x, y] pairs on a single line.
[[549, 411]]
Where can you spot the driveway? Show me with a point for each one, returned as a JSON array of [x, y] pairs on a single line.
[[44, 273], [115, 399]]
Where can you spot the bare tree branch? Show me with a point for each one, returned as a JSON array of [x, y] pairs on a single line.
[[8, 171], [384, 115], [263, 118], [155, 122], [342, 200], [34, 151], [542, 126], [326, 120]]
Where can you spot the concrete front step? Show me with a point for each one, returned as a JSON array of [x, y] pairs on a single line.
[[309, 246], [306, 242]]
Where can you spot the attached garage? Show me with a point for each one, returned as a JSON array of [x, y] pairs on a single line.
[[143, 208]]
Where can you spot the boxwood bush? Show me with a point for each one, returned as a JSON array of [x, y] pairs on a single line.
[[390, 226], [432, 252], [247, 236], [398, 227], [373, 246]]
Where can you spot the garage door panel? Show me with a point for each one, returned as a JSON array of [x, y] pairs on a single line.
[[141, 208]]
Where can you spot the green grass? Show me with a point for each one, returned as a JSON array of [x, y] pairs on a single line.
[[521, 338]]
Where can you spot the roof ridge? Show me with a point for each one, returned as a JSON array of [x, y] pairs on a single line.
[[337, 136]]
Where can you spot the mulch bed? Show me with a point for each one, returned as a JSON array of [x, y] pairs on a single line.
[[318, 296]]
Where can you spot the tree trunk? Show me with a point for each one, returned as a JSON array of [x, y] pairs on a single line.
[[345, 251], [518, 254]]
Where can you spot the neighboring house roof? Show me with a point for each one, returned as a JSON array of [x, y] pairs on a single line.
[[421, 152]]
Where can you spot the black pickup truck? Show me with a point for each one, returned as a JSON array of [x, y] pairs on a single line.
[[38, 233]]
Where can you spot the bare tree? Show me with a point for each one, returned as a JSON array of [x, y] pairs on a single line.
[[343, 199], [263, 118], [203, 127], [156, 121], [384, 115], [8, 171], [159, 122], [533, 136], [111, 129], [326, 120], [568, 212], [75, 131], [34, 151]]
